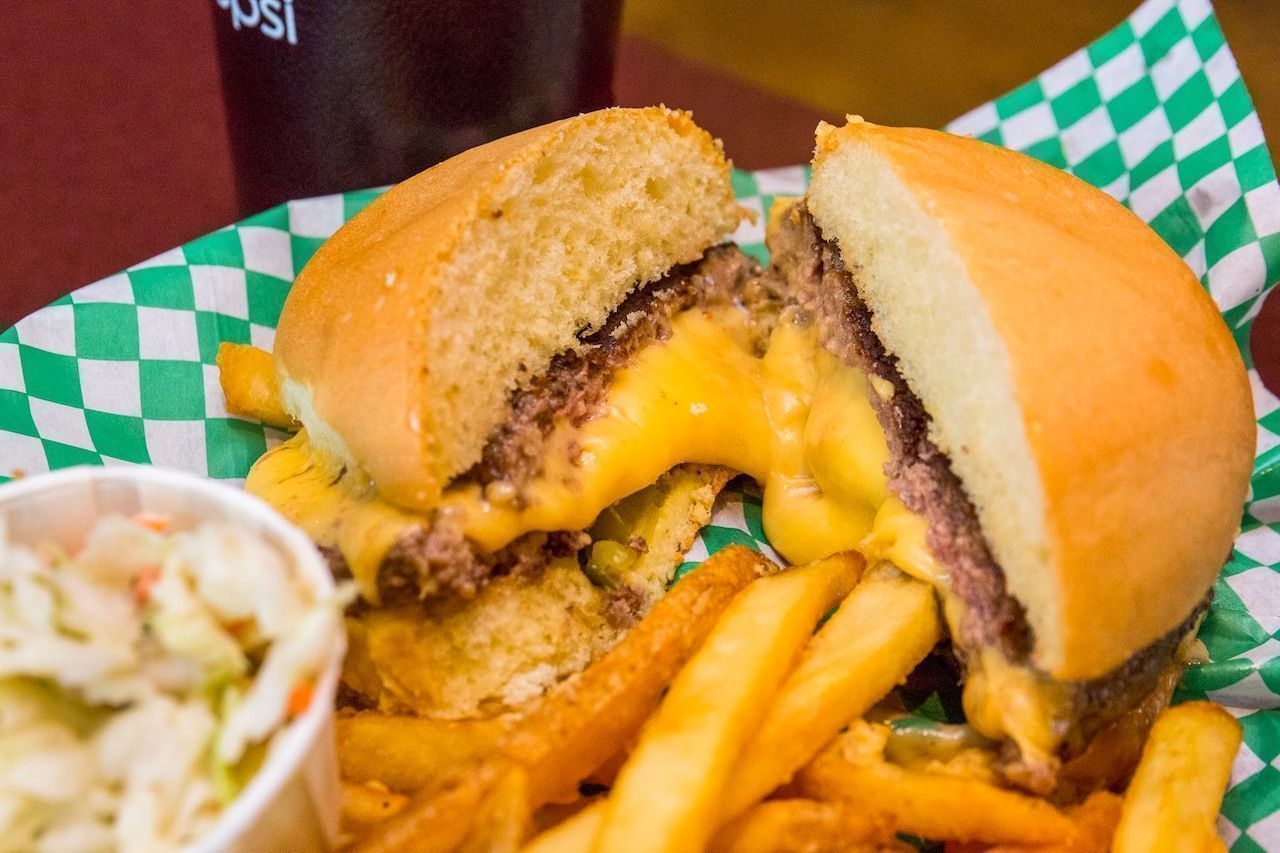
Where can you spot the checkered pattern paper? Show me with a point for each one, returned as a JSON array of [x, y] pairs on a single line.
[[1154, 113], [122, 370]]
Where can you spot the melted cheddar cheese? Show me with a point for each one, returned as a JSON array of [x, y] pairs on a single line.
[[1001, 697], [797, 420], [337, 507]]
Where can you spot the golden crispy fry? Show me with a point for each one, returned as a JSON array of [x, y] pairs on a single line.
[[977, 847], [409, 753], [802, 826], [928, 805], [249, 380], [1095, 821], [364, 805], [667, 793], [777, 825], [1172, 802], [582, 722], [439, 818], [573, 835], [882, 630], [504, 816]]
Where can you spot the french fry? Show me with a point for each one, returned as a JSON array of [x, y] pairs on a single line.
[[503, 817], [583, 721], [409, 753], [1172, 802], [572, 835], [929, 805], [882, 630], [666, 795], [976, 847], [777, 825], [437, 819], [249, 382], [552, 815], [783, 826], [1095, 821], [366, 804]]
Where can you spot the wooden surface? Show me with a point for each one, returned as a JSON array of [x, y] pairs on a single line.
[[922, 62], [112, 135]]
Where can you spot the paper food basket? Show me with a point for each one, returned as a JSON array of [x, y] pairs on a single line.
[[1154, 113]]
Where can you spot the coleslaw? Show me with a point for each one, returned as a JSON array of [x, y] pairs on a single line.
[[144, 679]]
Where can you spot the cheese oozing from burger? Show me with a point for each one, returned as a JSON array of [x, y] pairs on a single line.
[[796, 419], [996, 432]]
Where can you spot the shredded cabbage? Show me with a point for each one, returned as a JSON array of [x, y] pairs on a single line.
[[143, 679]]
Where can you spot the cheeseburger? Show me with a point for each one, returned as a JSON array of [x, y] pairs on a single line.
[[522, 375]]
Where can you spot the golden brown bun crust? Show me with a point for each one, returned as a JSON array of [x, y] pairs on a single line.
[[366, 341], [1133, 396], [357, 348]]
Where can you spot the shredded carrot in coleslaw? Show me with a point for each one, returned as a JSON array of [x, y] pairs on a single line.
[[156, 521], [300, 698]]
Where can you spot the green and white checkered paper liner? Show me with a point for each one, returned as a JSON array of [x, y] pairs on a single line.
[[1154, 113]]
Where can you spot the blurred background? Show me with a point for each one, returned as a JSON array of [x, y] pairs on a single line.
[[114, 138]]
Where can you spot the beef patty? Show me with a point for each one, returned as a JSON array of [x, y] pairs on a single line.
[[819, 281], [436, 559]]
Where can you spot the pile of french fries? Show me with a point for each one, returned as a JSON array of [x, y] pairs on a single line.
[[723, 721]]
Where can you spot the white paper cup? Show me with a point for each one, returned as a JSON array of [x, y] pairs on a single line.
[[292, 801]]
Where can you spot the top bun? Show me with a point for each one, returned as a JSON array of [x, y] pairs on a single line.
[[402, 338], [1081, 381]]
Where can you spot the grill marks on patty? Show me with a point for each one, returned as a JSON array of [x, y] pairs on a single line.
[[436, 559]]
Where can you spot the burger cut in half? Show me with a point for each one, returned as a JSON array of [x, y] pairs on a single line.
[[1068, 419], [962, 362], [442, 353]]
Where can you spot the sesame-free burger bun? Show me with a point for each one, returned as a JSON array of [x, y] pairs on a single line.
[[392, 357], [1079, 378]]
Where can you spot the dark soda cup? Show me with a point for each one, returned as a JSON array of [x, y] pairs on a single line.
[[324, 96]]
